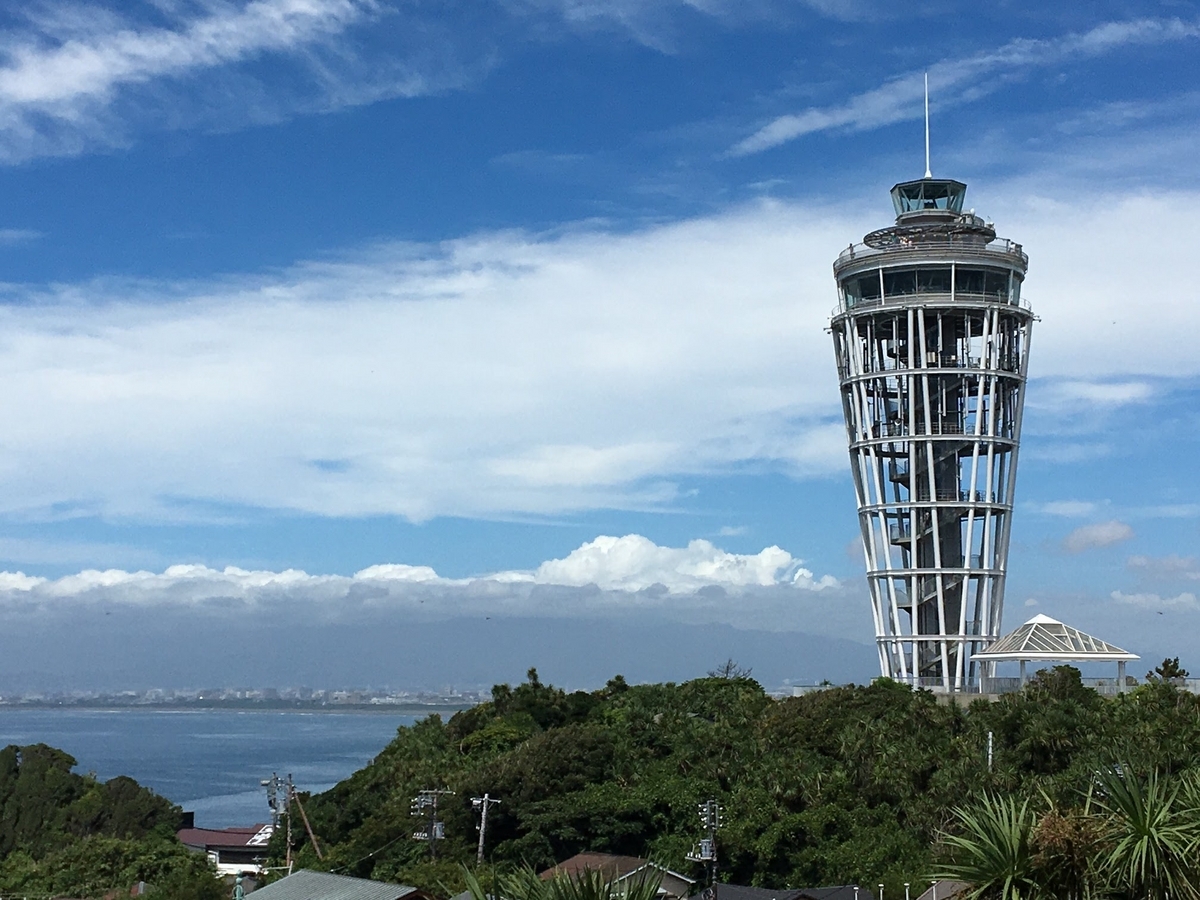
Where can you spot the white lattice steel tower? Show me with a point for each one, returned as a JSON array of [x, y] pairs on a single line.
[[932, 344]]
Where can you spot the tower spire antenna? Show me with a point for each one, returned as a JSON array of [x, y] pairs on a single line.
[[928, 173]]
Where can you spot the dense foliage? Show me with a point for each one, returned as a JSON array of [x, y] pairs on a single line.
[[1133, 838], [848, 785], [65, 834], [524, 883]]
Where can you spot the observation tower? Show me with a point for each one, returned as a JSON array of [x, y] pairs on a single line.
[[932, 345]]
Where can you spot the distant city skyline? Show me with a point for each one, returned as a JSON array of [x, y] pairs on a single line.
[[320, 312]]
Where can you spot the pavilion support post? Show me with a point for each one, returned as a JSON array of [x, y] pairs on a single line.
[[1120, 676], [1024, 679]]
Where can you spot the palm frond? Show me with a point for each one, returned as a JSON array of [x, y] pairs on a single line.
[[991, 850]]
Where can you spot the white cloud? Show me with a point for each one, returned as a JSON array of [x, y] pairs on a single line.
[[1062, 452], [961, 80], [12, 236], [1169, 511], [1100, 534], [74, 78], [93, 66], [401, 573], [1031, 602], [634, 563], [19, 581], [498, 373], [1184, 601], [654, 22], [608, 575], [1070, 509], [510, 373], [1082, 274], [1166, 566], [1107, 394]]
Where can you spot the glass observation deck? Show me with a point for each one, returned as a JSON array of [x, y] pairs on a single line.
[[940, 195], [929, 194]]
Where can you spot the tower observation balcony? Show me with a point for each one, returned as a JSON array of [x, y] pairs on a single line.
[[931, 337]]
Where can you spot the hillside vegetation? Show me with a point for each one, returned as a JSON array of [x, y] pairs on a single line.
[[848, 785], [68, 835]]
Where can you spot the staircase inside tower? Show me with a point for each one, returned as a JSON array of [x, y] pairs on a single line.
[[934, 473]]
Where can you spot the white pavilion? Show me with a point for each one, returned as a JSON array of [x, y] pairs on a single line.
[[1043, 639]]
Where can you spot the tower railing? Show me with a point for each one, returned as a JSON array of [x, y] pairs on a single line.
[[999, 247], [971, 298]]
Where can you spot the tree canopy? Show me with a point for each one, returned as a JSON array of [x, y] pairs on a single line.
[[66, 834], [846, 785]]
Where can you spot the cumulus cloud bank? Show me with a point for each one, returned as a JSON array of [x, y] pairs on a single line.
[[634, 563], [609, 574]]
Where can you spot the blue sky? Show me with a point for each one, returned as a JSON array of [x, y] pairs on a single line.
[[323, 285]]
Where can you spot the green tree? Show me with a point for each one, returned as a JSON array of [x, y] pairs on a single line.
[[1154, 828], [991, 850], [524, 883], [1169, 670]]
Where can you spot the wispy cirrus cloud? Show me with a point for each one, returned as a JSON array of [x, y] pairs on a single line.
[[1093, 393], [92, 66], [15, 236], [653, 23], [78, 76], [1172, 566], [1070, 509], [1183, 601], [961, 80]]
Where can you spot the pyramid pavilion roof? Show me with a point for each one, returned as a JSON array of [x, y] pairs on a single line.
[[1045, 638]]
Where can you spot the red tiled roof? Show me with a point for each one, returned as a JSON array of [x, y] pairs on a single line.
[[608, 866], [225, 838], [605, 863]]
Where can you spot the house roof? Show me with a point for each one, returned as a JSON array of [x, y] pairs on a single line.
[[226, 838], [744, 892], [309, 885], [1045, 638], [608, 865], [944, 890]]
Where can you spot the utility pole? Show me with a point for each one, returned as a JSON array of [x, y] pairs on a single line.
[[274, 788], [706, 852], [287, 809], [279, 799], [426, 804], [482, 804], [303, 817]]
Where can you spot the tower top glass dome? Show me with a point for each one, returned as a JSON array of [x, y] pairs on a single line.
[[928, 195]]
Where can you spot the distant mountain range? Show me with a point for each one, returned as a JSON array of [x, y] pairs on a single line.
[[171, 650]]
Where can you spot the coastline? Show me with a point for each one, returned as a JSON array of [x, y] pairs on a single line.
[[390, 709]]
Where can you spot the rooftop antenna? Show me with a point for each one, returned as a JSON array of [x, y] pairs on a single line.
[[928, 173]]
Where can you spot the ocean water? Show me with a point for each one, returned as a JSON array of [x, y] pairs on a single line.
[[210, 761]]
